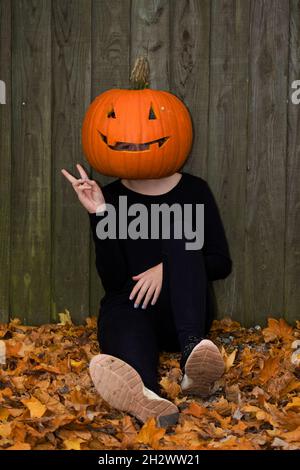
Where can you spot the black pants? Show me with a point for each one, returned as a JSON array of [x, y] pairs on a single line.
[[184, 309]]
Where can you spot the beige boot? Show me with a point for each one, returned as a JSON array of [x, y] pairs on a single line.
[[122, 388], [203, 367]]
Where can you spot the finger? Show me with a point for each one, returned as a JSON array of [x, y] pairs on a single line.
[[156, 295], [82, 172], [142, 293], [138, 276], [84, 186], [68, 176], [136, 288], [78, 183], [148, 296]]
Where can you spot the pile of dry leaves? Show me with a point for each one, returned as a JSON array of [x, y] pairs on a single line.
[[47, 400]]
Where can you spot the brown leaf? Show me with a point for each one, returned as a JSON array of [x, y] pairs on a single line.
[[20, 446], [172, 389], [226, 325], [128, 433], [292, 436], [195, 409], [270, 369], [277, 329]]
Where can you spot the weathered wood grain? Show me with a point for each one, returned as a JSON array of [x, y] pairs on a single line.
[[5, 158], [189, 71], [292, 222], [56, 56], [71, 75], [150, 37], [31, 161], [228, 139], [266, 164], [110, 69]]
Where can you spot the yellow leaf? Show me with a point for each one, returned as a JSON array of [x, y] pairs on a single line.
[[228, 359], [76, 364], [73, 444], [36, 408], [150, 434], [295, 403], [65, 318]]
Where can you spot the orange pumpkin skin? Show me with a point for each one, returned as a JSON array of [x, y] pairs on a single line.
[[124, 116]]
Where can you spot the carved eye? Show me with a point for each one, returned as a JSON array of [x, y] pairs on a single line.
[[111, 114], [151, 114]]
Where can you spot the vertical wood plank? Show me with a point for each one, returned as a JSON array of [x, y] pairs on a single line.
[[264, 259], [110, 69], [150, 37], [228, 139], [5, 158], [292, 239], [31, 161], [189, 71], [71, 72]]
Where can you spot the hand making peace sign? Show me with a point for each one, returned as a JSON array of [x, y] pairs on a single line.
[[87, 190]]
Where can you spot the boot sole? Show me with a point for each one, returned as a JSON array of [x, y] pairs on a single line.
[[204, 366], [122, 388]]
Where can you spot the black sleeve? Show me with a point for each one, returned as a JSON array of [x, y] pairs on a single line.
[[110, 262], [216, 251]]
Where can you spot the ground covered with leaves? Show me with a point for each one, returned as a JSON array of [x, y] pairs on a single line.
[[47, 399]]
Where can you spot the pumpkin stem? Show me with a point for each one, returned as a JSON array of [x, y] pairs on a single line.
[[139, 77]]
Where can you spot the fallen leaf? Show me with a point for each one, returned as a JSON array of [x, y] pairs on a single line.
[[73, 444], [270, 369], [277, 442], [150, 434], [36, 408], [4, 414], [172, 389], [65, 318], [277, 329], [295, 403], [228, 359], [292, 436], [5, 429], [20, 446], [195, 409]]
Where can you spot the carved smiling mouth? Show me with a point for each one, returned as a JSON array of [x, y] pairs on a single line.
[[131, 146]]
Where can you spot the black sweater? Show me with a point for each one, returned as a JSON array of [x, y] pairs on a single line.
[[119, 259]]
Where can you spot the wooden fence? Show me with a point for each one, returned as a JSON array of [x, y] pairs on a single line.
[[231, 61]]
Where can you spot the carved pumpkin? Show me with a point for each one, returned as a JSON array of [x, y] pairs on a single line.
[[137, 133]]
